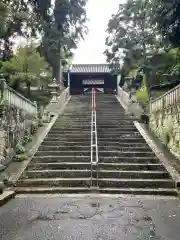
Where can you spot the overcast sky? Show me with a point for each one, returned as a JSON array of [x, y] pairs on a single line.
[[91, 49]]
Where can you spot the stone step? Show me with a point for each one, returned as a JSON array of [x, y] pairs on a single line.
[[66, 143], [105, 119], [69, 135], [59, 165], [136, 183], [132, 174], [65, 148], [122, 144], [140, 191], [52, 190], [72, 158], [58, 147], [129, 159], [71, 131], [88, 127], [126, 153], [124, 149], [63, 138], [63, 153], [104, 166], [121, 139], [77, 114], [65, 173], [119, 134], [86, 173], [71, 128], [100, 143], [132, 166], [80, 190], [103, 182], [54, 182], [115, 130], [71, 122], [118, 122]]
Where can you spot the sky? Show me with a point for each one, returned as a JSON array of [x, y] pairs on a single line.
[[91, 49]]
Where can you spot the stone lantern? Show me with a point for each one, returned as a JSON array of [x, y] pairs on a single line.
[[54, 86]]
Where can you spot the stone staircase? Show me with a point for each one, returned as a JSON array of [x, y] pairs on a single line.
[[62, 163], [126, 164]]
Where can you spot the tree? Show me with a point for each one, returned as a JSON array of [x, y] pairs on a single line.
[[25, 66], [20, 18], [62, 33], [167, 17], [132, 37]]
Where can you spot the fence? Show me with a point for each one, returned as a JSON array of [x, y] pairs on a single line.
[[123, 96], [17, 100], [165, 101]]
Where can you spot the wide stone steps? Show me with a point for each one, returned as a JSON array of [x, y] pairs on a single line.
[[124, 153], [86, 173], [87, 165], [82, 158], [81, 190], [79, 138], [88, 148], [127, 165], [102, 182], [100, 143]]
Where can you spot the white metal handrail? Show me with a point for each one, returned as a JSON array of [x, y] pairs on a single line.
[[17, 100], [94, 145]]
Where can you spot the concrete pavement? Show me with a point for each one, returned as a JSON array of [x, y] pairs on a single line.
[[90, 217]]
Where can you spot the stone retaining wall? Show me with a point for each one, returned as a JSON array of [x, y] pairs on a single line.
[[165, 119]]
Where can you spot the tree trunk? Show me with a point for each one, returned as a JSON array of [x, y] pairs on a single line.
[[28, 84]]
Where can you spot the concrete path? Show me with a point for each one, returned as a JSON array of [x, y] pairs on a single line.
[[90, 217]]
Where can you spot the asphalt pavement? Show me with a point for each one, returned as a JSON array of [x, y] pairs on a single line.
[[90, 217]]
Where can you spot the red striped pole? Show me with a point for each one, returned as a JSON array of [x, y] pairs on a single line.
[[93, 100]]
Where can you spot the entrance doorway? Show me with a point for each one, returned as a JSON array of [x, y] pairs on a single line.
[[97, 90]]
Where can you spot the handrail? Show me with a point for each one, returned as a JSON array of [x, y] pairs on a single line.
[[172, 97], [16, 99], [94, 140]]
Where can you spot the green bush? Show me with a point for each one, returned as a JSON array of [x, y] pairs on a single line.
[[20, 149]]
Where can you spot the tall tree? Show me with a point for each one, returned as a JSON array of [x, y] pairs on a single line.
[[132, 36], [66, 28], [20, 18], [25, 66], [167, 16]]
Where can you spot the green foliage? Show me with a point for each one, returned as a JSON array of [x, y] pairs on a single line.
[[167, 16], [25, 67], [20, 149], [62, 33], [131, 34], [26, 138], [136, 38], [19, 158]]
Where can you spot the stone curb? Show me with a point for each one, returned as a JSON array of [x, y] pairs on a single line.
[[6, 196], [164, 155], [13, 179]]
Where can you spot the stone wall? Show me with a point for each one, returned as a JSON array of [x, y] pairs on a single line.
[[18, 122], [165, 119]]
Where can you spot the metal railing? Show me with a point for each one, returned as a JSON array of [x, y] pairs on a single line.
[[94, 145]]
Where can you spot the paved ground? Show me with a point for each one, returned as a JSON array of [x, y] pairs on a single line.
[[90, 217]]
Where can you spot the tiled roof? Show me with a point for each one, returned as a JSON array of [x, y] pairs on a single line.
[[90, 68]]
